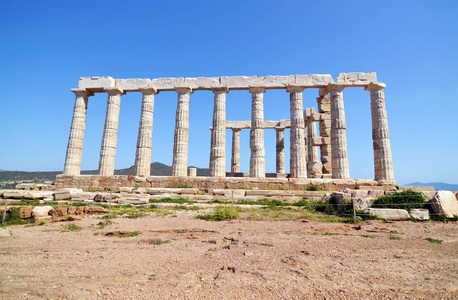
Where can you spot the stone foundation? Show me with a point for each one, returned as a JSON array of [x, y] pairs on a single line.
[[115, 182]]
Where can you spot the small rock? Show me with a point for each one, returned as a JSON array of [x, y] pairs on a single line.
[[25, 212]]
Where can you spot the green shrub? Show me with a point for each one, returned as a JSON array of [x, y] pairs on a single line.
[[172, 200], [313, 188], [401, 200], [12, 218], [221, 213]]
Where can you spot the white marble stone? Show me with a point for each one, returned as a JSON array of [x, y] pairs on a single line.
[[235, 160], [257, 158], [218, 138], [298, 167], [180, 146]]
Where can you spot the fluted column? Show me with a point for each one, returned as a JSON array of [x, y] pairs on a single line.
[[280, 135], [180, 145], [75, 140], [314, 166], [258, 156], [325, 131], [298, 167], [383, 161], [218, 139], [340, 167], [110, 132], [235, 161], [145, 130]]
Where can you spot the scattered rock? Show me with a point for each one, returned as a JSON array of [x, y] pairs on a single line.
[[80, 210], [41, 211], [248, 253], [388, 213], [96, 210], [445, 203], [25, 212], [420, 214], [72, 210]]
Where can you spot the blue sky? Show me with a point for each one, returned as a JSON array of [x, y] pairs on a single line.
[[47, 45]]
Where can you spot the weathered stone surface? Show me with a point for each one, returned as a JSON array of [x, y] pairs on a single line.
[[298, 160], [97, 82], [25, 212], [41, 211], [80, 210], [13, 194], [180, 145], [445, 203], [72, 210], [96, 210], [420, 214], [388, 213], [258, 155], [358, 79], [133, 84], [218, 137]]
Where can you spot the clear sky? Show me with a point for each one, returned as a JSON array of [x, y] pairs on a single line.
[[45, 46]]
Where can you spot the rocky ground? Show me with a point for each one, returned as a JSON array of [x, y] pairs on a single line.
[[178, 256]]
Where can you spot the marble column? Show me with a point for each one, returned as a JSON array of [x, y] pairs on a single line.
[[383, 161], [340, 167], [145, 130], [325, 131], [280, 135], [314, 166], [258, 156], [110, 132], [298, 168], [235, 161], [218, 139], [180, 145], [75, 140]]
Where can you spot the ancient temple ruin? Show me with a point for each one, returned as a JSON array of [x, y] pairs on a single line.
[[305, 161]]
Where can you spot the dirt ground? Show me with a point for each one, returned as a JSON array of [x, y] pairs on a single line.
[[181, 257]]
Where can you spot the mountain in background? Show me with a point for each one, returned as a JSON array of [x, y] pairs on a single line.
[[157, 169], [436, 185]]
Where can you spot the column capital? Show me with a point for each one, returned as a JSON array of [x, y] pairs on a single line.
[[113, 91], [294, 88], [236, 129], [257, 89], [149, 91], [183, 90], [220, 90], [335, 87], [82, 92], [279, 128], [375, 86]]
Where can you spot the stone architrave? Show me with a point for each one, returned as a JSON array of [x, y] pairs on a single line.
[[145, 130], [110, 132], [75, 140], [383, 162], [298, 166], [314, 166], [235, 161], [280, 147], [218, 139], [258, 156], [340, 167], [180, 145]]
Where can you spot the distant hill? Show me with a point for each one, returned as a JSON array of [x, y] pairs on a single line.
[[436, 185], [157, 169]]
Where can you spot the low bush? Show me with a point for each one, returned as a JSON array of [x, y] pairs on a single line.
[[401, 200], [221, 213]]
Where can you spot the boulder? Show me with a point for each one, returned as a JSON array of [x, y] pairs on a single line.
[[388, 213], [420, 214], [72, 210], [41, 211], [80, 210], [444, 203], [25, 212], [62, 195]]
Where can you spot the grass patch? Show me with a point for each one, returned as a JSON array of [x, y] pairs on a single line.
[[172, 200], [368, 236], [434, 241], [313, 188], [401, 200], [12, 218], [159, 242], [397, 256], [131, 234], [267, 245], [221, 213], [331, 233], [392, 237], [72, 228]]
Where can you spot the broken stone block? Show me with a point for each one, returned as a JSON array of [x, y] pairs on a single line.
[[13, 194], [96, 210], [25, 212], [388, 213], [41, 211], [444, 203], [420, 214]]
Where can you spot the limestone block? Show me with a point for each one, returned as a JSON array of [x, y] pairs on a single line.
[[24, 186], [41, 211], [202, 83], [388, 213], [357, 78], [13, 194], [276, 81], [167, 83], [420, 214], [429, 195], [133, 84], [445, 203], [62, 195], [313, 80], [82, 196], [238, 82], [25, 212], [96, 82], [125, 189], [34, 195], [363, 202]]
